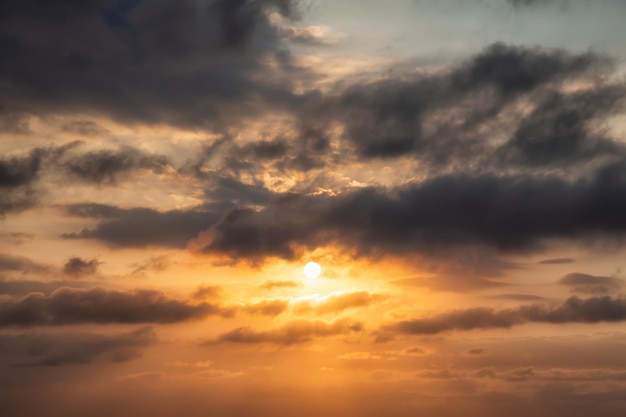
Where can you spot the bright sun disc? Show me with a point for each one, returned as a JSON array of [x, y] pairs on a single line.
[[312, 270]]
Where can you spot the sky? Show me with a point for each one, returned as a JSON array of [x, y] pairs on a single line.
[[457, 169]]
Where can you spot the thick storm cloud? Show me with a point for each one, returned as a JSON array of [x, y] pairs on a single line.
[[391, 117], [508, 213], [162, 61]]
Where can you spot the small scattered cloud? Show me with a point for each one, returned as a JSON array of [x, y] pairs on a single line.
[[77, 267], [476, 352], [153, 264]]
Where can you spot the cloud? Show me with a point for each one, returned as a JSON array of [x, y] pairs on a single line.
[[271, 285], [476, 352], [179, 62], [395, 116], [557, 261], [52, 350], [291, 333], [517, 297], [309, 35], [573, 310], [590, 284], [19, 263], [210, 292], [100, 306], [20, 170], [337, 302], [461, 270], [78, 267], [141, 227], [416, 351], [17, 176], [557, 132], [25, 286], [107, 166], [267, 307], [153, 264], [513, 213]]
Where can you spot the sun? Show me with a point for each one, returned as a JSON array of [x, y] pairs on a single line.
[[312, 270]]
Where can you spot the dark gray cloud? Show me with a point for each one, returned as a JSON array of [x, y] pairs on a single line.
[[574, 310], [17, 175], [84, 128], [513, 70], [291, 333], [20, 170], [387, 118], [163, 61], [142, 227], [51, 350], [226, 189], [108, 166], [557, 261], [96, 305], [557, 132], [590, 284], [77, 267], [20, 175], [508, 213]]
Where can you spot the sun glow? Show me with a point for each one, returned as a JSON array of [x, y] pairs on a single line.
[[312, 270]]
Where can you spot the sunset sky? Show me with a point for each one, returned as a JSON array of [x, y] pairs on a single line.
[[456, 167]]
